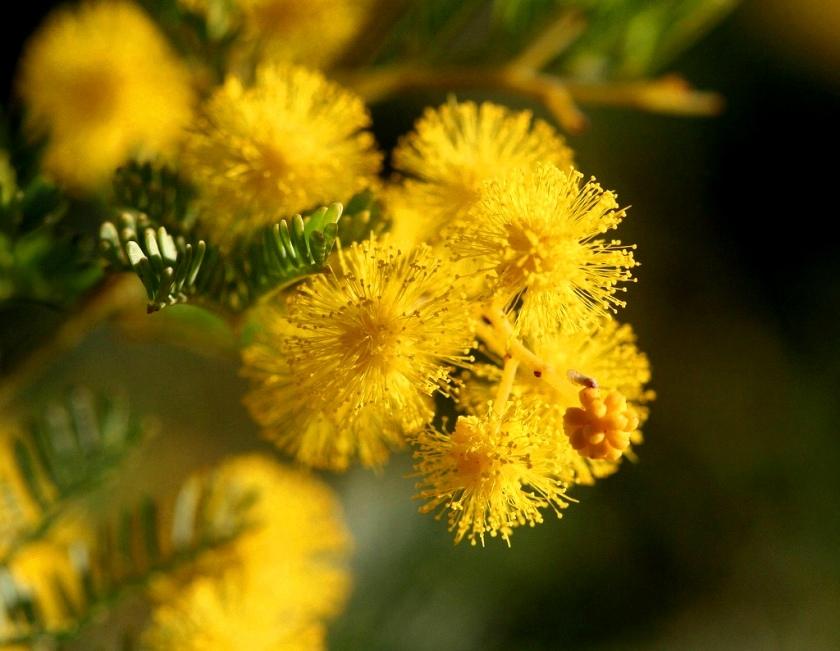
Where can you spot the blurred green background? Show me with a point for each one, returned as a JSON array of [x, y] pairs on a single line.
[[726, 534]]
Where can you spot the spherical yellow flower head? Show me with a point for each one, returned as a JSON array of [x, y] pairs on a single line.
[[608, 354], [538, 229], [493, 473], [278, 582], [452, 150], [352, 364], [602, 428], [301, 511], [290, 142], [223, 617], [312, 32], [103, 82]]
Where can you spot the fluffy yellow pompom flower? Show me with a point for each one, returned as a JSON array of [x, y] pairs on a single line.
[[290, 142], [276, 583], [103, 83], [494, 472], [313, 32], [608, 354], [352, 363], [537, 228], [452, 150], [222, 616]]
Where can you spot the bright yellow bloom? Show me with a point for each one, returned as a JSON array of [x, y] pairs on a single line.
[[290, 142], [608, 354], [538, 229], [103, 82], [353, 362], [277, 583], [493, 473], [219, 615], [452, 150]]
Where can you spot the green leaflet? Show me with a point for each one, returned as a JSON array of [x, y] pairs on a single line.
[[177, 269], [166, 265]]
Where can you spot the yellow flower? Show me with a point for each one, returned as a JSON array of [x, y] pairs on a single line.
[[452, 150], [608, 354], [493, 473], [222, 616], [313, 32], [275, 585], [103, 82], [537, 228], [353, 362], [290, 142]]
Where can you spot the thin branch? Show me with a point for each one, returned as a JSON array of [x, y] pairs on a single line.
[[377, 84], [669, 94]]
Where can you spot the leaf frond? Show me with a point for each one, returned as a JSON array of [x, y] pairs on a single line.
[[69, 449]]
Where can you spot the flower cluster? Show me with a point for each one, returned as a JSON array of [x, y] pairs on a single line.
[[344, 365], [482, 291]]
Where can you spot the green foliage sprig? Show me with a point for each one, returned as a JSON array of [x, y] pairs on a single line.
[[66, 451]]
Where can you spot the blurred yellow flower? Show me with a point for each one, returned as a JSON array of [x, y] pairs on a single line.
[[221, 615], [291, 141], [537, 228], [353, 362], [102, 82], [494, 473], [312, 32], [49, 572], [277, 583], [452, 150]]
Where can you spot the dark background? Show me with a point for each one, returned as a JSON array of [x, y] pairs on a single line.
[[726, 534]]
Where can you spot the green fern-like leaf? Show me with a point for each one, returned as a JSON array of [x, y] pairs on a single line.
[[89, 575], [167, 266], [66, 451], [285, 252], [174, 270]]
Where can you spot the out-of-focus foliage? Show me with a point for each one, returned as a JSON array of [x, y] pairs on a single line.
[[607, 39], [80, 572], [617, 38], [67, 451], [40, 259]]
